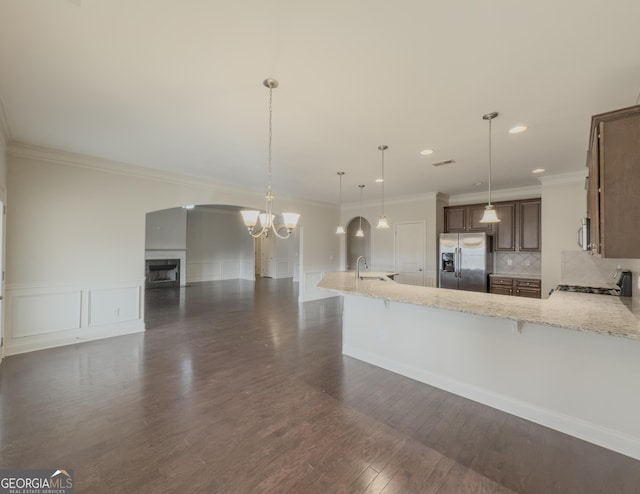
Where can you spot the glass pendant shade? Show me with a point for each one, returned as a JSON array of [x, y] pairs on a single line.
[[359, 233], [340, 230], [290, 220], [266, 220], [490, 215], [250, 218], [382, 222]]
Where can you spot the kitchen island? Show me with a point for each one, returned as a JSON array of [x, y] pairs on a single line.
[[570, 362]]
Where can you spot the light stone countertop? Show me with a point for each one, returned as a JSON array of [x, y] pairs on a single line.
[[602, 314]]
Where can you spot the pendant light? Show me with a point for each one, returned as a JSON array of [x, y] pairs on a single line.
[[340, 229], [266, 219], [490, 215], [360, 233], [382, 221]]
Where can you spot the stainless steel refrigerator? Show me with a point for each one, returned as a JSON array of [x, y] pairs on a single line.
[[466, 260]]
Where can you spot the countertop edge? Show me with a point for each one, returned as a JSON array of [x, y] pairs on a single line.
[[562, 310]]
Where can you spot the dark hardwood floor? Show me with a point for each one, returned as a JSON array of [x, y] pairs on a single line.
[[237, 388]]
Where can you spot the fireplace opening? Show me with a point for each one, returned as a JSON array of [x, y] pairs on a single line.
[[162, 273]]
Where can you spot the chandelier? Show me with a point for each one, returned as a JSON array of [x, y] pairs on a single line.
[[267, 219]]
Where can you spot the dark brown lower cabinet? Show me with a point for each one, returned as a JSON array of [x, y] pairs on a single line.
[[518, 287]]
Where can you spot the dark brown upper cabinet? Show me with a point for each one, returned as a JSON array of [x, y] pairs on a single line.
[[613, 184], [519, 229], [465, 219]]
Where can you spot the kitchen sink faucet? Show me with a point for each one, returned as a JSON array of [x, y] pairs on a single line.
[[358, 266]]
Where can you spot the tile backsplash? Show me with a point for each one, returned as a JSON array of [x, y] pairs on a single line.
[[582, 268], [518, 263]]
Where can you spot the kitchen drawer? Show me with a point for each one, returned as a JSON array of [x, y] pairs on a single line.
[[528, 284], [501, 290], [501, 281], [528, 292]]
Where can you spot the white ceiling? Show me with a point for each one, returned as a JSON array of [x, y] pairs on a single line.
[[177, 85]]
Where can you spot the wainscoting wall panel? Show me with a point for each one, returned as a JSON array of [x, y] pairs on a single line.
[[311, 290], [219, 270], [40, 317], [248, 270], [230, 270], [114, 305], [35, 314]]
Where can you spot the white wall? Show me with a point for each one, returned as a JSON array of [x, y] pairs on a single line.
[[76, 242], [218, 247], [427, 208], [564, 204], [166, 229]]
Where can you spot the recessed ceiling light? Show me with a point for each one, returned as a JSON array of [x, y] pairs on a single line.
[[517, 129], [426, 152], [477, 183], [379, 180], [538, 170]]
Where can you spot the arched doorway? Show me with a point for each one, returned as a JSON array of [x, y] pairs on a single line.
[[358, 246]]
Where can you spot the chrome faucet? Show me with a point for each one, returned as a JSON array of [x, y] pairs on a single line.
[[358, 266]]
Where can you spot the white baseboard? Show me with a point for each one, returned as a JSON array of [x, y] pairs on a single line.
[[73, 337]]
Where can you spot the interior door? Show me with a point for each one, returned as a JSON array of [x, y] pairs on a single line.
[[410, 253]]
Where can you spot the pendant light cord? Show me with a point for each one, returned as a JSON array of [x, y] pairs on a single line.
[[269, 193], [490, 161], [383, 182], [361, 187]]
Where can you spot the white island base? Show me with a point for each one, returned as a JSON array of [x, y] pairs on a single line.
[[581, 383]]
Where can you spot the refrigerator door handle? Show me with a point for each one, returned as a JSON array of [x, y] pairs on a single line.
[[455, 263], [459, 262]]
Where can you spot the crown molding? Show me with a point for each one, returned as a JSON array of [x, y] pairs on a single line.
[[496, 195], [564, 178], [27, 151]]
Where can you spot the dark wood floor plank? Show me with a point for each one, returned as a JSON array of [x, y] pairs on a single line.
[[236, 387]]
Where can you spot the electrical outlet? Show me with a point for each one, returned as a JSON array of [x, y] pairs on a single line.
[[527, 262], [509, 262], [116, 311]]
